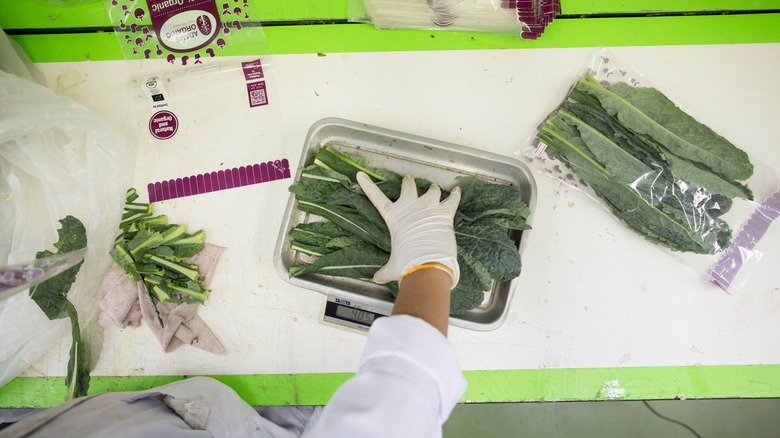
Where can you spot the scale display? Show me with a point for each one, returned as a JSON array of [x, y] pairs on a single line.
[[350, 314]]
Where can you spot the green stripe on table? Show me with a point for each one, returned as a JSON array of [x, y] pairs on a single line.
[[635, 383], [662, 6], [639, 383], [624, 31], [261, 389], [26, 14]]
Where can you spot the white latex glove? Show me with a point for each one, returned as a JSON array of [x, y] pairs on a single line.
[[421, 228]]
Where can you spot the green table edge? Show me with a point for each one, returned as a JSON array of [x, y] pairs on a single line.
[[26, 14], [571, 384], [338, 38]]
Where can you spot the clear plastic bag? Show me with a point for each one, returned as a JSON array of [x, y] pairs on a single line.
[[185, 89], [753, 253], [527, 19], [672, 180], [56, 159], [210, 146]]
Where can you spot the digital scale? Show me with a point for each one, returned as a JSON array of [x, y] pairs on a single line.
[[350, 314]]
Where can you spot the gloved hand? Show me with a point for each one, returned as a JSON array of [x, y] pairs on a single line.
[[421, 228]]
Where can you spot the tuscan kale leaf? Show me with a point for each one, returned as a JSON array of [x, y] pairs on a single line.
[[355, 242], [52, 297]]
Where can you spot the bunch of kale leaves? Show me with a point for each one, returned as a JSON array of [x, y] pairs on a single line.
[[355, 242], [666, 175]]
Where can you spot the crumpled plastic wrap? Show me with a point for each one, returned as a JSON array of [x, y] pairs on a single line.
[[526, 18], [56, 158]]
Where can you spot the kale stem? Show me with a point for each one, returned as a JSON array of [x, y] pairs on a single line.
[[341, 157]]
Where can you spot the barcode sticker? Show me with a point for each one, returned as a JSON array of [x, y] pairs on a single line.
[[539, 151], [257, 94]]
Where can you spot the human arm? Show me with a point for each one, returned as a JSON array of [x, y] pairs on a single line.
[[409, 379], [425, 294], [406, 385], [423, 255]]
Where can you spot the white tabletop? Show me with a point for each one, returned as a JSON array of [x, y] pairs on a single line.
[[592, 294]]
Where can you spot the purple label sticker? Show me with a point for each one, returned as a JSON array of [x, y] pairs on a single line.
[[741, 249], [15, 276], [253, 70], [257, 94], [179, 31], [184, 26], [163, 125], [219, 180]]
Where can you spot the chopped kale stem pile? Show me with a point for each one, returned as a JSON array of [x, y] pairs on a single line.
[[355, 242], [664, 174], [151, 250]]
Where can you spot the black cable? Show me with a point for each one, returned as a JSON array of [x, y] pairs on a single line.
[[671, 419]]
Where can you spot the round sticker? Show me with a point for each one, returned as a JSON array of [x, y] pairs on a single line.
[[184, 28], [163, 125]]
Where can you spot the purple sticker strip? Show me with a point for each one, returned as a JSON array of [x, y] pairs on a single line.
[[220, 180], [729, 264]]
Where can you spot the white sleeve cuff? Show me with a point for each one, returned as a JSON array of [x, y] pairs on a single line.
[[414, 340]]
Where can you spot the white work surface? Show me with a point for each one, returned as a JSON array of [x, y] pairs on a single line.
[[592, 294]]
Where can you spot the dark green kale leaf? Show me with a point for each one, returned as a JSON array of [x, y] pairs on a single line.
[[351, 219], [647, 111], [315, 238], [501, 203], [696, 175], [587, 108], [331, 195], [328, 189], [350, 164], [361, 260], [318, 233], [52, 297], [492, 246], [77, 378], [474, 281], [660, 223]]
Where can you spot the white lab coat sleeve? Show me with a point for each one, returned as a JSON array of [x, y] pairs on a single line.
[[406, 385]]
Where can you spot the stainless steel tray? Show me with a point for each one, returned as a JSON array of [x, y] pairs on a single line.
[[403, 153]]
